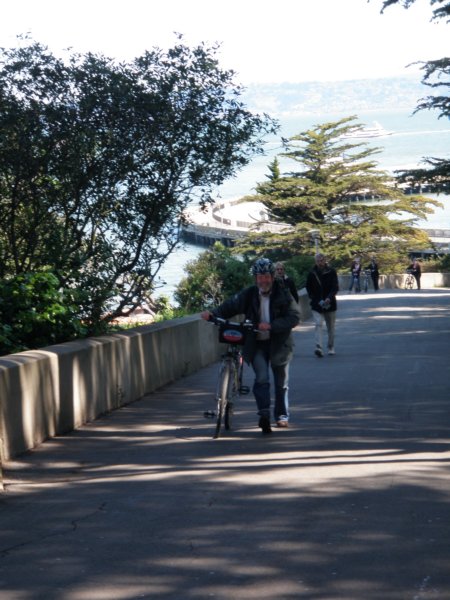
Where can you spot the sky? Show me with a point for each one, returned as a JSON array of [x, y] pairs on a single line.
[[263, 41]]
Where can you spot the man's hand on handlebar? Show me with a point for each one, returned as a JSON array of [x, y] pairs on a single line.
[[206, 315]]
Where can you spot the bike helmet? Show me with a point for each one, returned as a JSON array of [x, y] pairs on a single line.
[[262, 266]]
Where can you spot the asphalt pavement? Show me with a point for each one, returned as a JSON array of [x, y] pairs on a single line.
[[351, 502]]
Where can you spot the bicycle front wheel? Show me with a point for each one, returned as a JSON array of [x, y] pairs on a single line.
[[409, 283], [232, 394], [222, 397]]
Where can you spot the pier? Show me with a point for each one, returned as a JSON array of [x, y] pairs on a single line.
[[226, 222], [230, 220]]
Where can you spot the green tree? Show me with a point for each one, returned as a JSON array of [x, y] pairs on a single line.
[[99, 159], [35, 312], [274, 169], [339, 195], [436, 75], [213, 276], [441, 10]]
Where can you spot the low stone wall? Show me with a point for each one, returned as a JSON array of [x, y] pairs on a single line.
[[393, 282], [303, 302], [51, 391]]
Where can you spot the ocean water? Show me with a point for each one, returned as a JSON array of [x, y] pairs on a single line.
[[413, 137]]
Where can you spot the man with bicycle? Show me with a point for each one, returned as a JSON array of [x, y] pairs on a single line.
[[270, 306], [416, 271]]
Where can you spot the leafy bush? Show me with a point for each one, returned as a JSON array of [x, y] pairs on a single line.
[[165, 311], [215, 275], [298, 268], [35, 312], [444, 264]]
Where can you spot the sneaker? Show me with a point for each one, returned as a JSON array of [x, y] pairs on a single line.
[[331, 351], [318, 351], [264, 423], [282, 423]]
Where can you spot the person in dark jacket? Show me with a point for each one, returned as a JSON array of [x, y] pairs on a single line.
[[270, 306], [374, 273], [416, 270], [322, 286], [280, 274]]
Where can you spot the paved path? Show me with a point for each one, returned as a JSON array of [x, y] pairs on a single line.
[[351, 502]]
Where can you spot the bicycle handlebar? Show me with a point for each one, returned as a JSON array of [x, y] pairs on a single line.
[[247, 324]]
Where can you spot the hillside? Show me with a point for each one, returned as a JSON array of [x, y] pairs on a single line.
[[290, 99]]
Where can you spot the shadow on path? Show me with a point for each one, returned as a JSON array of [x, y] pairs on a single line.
[[351, 502]]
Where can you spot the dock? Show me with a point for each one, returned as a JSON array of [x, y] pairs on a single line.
[[233, 219]]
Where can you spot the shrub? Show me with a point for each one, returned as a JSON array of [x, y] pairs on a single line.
[[212, 277], [35, 312], [298, 268]]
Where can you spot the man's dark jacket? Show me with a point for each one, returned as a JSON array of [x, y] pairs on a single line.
[[290, 284], [320, 285], [284, 316]]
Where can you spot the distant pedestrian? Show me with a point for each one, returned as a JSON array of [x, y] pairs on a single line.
[[355, 272], [416, 271], [374, 273], [280, 274], [322, 286]]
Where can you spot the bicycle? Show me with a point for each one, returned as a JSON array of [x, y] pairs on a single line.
[[229, 382], [410, 280]]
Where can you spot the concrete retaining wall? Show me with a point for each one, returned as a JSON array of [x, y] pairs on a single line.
[[392, 282], [51, 391]]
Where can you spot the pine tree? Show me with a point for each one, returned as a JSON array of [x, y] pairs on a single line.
[[338, 193], [436, 75]]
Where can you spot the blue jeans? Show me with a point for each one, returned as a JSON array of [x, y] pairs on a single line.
[[261, 386], [354, 280]]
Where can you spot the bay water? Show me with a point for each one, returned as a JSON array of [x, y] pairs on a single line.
[[412, 138]]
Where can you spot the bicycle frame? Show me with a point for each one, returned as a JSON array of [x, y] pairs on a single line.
[[227, 390], [229, 383], [410, 280]]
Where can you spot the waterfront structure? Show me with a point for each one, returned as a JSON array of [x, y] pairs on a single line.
[[230, 220]]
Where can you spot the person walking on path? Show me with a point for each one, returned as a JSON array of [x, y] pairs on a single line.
[[374, 273], [322, 286], [280, 274], [270, 306], [416, 271], [355, 272]]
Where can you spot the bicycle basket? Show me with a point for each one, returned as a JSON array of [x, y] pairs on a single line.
[[231, 335]]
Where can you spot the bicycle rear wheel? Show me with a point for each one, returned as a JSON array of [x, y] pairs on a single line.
[[222, 397]]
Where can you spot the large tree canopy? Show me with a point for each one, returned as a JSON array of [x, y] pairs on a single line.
[[441, 7], [436, 75], [339, 196], [98, 161]]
